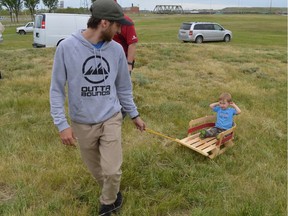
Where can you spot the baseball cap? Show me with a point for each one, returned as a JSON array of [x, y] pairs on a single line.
[[109, 10]]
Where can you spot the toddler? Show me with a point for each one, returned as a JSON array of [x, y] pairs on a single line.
[[225, 110]]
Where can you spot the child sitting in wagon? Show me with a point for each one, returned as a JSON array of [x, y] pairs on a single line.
[[225, 109]]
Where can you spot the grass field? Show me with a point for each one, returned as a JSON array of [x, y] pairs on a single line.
[[173, 83]]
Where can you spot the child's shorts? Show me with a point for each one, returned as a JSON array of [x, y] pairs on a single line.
[[213, 132]]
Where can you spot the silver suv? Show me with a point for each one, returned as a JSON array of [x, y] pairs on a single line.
[[203, 31]]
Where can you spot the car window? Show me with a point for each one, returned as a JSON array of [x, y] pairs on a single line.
[[185, 26], [209, 26], [199, 27], [30, 25], [38, 21], [217, 27]]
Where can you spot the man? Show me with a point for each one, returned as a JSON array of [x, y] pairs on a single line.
[[128, 39], [95, 69]]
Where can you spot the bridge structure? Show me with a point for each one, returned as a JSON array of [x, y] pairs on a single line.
[[168, 9]]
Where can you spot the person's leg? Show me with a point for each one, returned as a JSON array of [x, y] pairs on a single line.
[[111, 158], [88, 137], [219, 130], [211, 132]]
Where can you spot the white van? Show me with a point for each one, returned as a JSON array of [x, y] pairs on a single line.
[[51, 28], [199, 32]]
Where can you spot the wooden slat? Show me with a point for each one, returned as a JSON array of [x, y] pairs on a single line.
[[196, 141], [207, 144], [203, 141], [186, 139], [210, 148], [189, 146]]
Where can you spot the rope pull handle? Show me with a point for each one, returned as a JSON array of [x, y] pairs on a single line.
[[158, 134]]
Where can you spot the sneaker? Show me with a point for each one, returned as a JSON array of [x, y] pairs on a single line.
[[202, 134], [107, 210], [119, 201]]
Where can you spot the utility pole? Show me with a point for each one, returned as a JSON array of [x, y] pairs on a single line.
[[84, 4]]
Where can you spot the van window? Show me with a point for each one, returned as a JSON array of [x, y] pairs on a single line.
[[199, 27], [217, 27], [38, 21], [209, 27], [185, 26]]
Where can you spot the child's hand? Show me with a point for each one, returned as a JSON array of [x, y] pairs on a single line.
[[235, 107], [213, 105]]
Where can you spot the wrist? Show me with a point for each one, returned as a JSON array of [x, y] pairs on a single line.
[[131, 63], [135, 117]]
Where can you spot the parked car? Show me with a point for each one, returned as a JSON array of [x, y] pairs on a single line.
[[25, 29], [203, 31]]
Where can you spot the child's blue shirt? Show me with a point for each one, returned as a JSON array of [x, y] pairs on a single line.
[[224, 117]]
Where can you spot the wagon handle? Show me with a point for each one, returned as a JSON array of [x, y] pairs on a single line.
[[159, 134]]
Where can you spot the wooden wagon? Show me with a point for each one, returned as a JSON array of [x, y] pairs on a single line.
[[210, 147]]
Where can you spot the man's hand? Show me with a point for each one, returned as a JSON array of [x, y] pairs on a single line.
[[140, 124], [67, 137]]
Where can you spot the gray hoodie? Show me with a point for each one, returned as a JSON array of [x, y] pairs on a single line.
[[98, 82]]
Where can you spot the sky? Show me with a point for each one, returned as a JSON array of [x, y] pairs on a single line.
[[188, 4]]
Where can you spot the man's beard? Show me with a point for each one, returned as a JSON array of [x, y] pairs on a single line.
[[107, 35]]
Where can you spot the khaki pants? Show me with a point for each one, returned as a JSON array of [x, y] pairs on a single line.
[[101, 151]]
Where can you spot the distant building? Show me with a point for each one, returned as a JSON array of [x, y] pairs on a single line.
[[61, 4], [131, 9]]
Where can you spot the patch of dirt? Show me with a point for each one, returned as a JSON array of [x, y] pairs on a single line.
[[6, 192]]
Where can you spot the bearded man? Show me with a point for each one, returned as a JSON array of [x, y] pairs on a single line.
[[94, 67]]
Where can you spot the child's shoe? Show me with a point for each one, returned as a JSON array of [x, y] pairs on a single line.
[[202, 134]]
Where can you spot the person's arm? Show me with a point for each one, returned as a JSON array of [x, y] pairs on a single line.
[[131, 56], [238, 111], [131, 40], [214, 105], [124, 92], [57, 99]]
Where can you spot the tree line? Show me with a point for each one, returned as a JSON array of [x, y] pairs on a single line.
[[16, 6]]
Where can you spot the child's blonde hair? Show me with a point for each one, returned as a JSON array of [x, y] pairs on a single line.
[[225, 96]]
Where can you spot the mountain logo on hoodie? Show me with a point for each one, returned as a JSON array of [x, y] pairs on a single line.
[[96, 69]]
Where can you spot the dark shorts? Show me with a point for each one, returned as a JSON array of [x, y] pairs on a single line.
[[213, 132]]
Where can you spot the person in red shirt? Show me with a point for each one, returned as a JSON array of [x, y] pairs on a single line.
[[128, 39]]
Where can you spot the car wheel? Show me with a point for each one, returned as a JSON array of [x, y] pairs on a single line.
[[199, 39], [21, 32], [227, 38]]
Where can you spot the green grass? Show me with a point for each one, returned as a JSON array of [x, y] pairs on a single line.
[[173, 83]]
